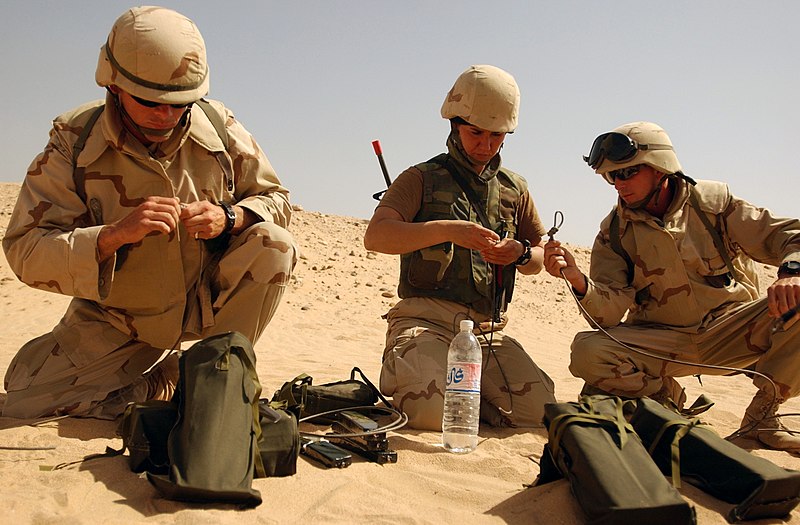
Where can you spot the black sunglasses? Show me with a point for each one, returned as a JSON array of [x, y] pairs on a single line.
[[622, 173], [616, 147], [153, 104]]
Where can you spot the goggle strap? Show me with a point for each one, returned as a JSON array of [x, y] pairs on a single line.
[[644, 147]]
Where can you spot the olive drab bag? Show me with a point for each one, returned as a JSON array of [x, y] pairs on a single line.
[[609, 470], [213, 446], [310, 399], [687, 449]]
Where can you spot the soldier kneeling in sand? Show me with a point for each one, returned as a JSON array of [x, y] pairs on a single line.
[[158, 213], [459, 254], [676, 255]]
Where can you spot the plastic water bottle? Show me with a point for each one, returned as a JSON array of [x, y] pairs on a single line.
[[462, 397]]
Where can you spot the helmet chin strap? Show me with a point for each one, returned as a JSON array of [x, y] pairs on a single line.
[[142, 130], [656, 192]]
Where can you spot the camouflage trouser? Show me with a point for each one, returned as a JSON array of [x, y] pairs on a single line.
[[244, 291], [738, 339], [513, 389]]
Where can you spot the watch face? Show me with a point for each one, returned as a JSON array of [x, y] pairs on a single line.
[[792, 267]]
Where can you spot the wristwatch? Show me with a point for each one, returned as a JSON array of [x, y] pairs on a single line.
[[230, 216], [526, 255], [789, 268]]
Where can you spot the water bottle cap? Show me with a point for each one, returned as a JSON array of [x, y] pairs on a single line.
[[466, 325]]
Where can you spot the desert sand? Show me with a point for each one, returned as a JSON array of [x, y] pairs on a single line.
[[329, 321]]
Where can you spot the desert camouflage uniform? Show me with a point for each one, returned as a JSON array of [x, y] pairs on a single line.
[[691, 311], [154, 294], [454, 284]]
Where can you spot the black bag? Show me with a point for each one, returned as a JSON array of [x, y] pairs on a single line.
[[279, 444], [316, 399], [213, 446], [144, 429], [610, 473], [694, 452]]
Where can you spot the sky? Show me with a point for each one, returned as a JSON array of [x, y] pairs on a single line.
[[317, 81]]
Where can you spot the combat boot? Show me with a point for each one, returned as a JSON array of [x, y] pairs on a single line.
[[157, 384], [762, 424]]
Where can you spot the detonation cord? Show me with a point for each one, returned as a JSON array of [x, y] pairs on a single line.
[[744, 430]]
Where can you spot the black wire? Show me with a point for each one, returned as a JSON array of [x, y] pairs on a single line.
[[399, 422], [558, 220], [739, 432]]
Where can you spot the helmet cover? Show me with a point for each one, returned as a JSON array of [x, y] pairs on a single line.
[[156, 54], [485, 96]]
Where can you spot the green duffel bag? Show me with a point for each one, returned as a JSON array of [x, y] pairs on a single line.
[[610, 472], [213, 447], [687, 449]]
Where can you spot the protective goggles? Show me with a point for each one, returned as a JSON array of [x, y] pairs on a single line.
[[616, 147], [621, 174], [153, 104]]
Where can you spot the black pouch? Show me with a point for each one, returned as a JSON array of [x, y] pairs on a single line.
[[144, 429], [687, 449], [316, 399], [279, 444], [610, 472]]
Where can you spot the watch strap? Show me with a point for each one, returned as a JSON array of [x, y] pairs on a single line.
[[526, 255], [230, 216]]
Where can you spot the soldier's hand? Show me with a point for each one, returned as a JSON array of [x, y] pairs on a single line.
[[203, 219], [472, 236], [155, 215], [557, 258], [783, 295], [504, 252], [559, 261]]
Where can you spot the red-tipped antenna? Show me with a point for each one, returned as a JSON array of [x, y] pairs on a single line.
[[376, 145]]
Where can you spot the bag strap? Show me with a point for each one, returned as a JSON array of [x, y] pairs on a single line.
[[369, 384], [616, 240], [472, 197], [78, 175], [286, 392], [675, 449], [616, 245], [216, 120], [250, 370], [715, 235]]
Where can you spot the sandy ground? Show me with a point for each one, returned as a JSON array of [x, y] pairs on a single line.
[[330, 321]]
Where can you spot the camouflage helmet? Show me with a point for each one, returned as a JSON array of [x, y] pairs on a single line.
[[156, 54], [486, 97], [648, 144]]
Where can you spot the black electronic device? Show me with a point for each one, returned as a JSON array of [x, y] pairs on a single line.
[[326, 453]]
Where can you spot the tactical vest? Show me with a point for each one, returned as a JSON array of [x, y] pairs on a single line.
[[447, 271]]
